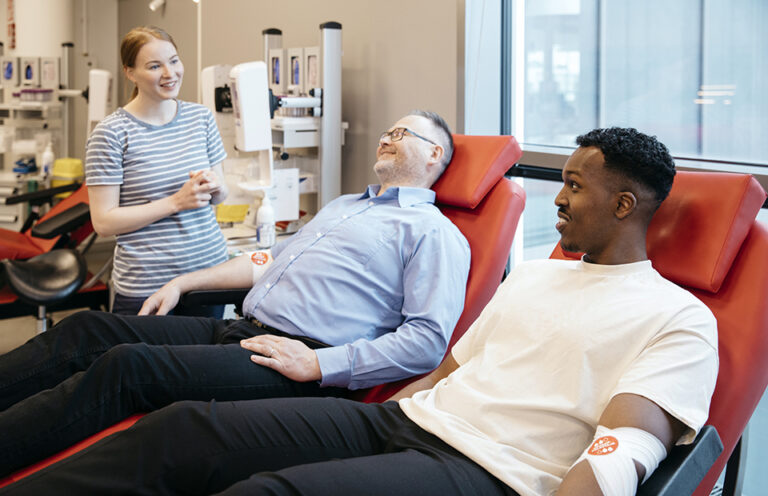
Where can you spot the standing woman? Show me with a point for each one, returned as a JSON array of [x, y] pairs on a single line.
[[153, 170]]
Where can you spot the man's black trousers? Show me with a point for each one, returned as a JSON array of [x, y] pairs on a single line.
[[291, 446], [94, 369]]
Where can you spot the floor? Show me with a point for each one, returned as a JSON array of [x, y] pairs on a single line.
[[16, 331]]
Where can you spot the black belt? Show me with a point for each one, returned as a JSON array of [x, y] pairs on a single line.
[[312, 343]]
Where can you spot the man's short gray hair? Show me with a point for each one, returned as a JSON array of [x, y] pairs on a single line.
[[444, 139]]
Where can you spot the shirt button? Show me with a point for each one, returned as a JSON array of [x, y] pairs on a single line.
[[344, 216], [370, 203], [267, 285], [319, 234], [292, 257]]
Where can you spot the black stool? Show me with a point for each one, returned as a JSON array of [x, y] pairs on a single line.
[[46, 279]]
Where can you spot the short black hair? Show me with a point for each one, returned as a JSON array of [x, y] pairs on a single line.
[[445, 139], [637, 156]]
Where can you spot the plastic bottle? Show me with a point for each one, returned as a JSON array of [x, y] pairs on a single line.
[[265, 224], [47, 160]]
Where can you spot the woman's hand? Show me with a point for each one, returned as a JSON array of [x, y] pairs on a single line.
[[195, 193], [214, 177], [210, 178]]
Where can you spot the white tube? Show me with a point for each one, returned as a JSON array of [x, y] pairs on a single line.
[[70, 93], [300, 102]]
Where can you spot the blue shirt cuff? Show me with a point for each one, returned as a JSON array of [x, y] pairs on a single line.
[[334, 366]]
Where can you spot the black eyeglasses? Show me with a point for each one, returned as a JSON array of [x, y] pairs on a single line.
[[398, 133]]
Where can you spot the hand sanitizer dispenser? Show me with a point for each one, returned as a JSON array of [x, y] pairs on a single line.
[[253, 131]]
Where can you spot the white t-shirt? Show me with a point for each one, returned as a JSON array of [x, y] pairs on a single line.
[[558, 340]]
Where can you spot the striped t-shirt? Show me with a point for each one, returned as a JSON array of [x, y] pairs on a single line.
[[149, 163]]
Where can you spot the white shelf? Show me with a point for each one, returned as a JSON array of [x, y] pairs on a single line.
[[299, 132]]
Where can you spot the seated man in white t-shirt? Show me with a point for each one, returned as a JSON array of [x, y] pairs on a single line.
[[566, 352]]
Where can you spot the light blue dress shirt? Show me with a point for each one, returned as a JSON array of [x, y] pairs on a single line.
[[379, 278]]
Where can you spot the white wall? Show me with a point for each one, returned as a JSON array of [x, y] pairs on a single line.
[[179, 19], [96, 47], [40, 36], [398, 55]]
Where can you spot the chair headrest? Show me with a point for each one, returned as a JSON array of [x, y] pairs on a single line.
[[695, 235], [478, 163]]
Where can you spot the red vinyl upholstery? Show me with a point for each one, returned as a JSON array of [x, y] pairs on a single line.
[[120, 426], [705, 238], [485, 206], [20, 246]]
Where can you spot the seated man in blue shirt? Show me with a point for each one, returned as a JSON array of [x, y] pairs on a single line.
[[367, 292]]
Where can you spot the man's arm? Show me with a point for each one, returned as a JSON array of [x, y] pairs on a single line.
[[624, 410], [232, 274], [295, 360], [434, 285], [428, 381]]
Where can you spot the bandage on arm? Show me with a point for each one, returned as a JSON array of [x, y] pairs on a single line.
[[612, 456], [260, 260]]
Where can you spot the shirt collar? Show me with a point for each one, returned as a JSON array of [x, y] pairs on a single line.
[[405, 196]]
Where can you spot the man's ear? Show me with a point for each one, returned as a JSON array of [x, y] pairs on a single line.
[[436, 155], [626, 202]]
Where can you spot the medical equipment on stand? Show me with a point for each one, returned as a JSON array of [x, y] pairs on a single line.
[[312, 84], [35, 106], [306, 130], [30, 122], [99, 96], [239, 98]]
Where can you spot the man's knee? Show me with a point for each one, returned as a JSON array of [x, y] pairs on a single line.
[[126, 360], [84, 320], [181, 415]]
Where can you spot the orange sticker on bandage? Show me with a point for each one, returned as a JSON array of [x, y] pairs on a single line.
[[259, 258], [604, 446]]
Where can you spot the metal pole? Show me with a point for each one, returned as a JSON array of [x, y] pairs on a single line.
[[65, 82], [506, 67], [330, 123]]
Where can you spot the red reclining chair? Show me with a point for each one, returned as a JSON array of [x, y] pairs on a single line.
[[476, 196], [705, 238]]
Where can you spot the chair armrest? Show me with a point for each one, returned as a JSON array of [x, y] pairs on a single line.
[[65, 222], [41, 196], [213, 297], [681, 472]]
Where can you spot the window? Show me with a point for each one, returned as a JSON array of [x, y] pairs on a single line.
[[691, 72]]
